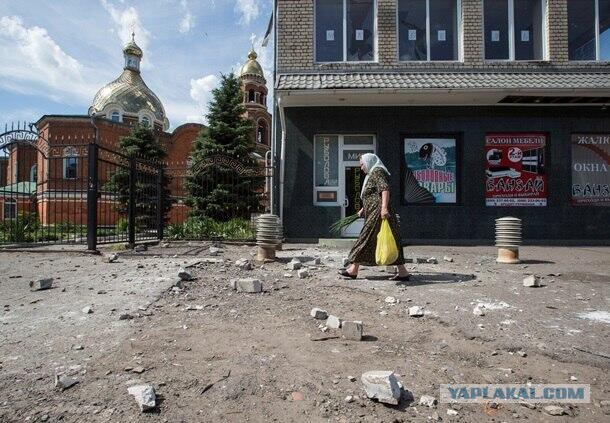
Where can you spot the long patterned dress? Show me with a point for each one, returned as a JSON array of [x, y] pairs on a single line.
[[363, 251]]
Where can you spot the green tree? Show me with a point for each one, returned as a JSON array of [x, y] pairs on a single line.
[[220, 192], [142, 148]]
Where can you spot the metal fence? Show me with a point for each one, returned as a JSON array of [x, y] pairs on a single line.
[[78, 192]]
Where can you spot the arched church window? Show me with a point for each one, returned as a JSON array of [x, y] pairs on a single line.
[[251, 96], [115, 116], [34, 173], [70, 163], [145, 121], [261, 133]]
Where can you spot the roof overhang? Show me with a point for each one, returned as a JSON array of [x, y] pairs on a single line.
[[419, 97]]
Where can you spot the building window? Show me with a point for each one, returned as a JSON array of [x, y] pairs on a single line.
[[10, 208], [514, 29], [326, 161], [70, 163], [428, 29], [345, 30], [257, 97], [261, 132], [589, 29], [115, 116], [251, 96], [34, 173], [145, 121]]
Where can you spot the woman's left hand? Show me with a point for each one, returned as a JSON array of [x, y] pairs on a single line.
[[385, 213]]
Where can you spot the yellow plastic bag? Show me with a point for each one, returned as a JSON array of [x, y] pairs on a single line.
[[386, 252]]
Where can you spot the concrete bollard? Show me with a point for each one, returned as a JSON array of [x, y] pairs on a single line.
[[508, 239]]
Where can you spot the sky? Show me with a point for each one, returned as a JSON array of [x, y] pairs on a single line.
[[55, 55]]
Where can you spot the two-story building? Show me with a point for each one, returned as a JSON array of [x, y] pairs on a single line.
[[479, 109]]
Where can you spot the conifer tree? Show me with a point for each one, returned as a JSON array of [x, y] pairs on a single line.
[[142, 146], [220, 192]]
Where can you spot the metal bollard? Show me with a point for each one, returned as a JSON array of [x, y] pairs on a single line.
[[508, 239]]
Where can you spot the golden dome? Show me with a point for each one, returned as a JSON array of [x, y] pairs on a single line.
[[131, 94], [132, 48], [252, 67]]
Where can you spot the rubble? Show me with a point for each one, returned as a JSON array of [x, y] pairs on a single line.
[[554, 410], [392, 300], [87, 310], [185, 275], [244, 264], [249, 285], [381, 385], [318, 313], [345, 261], [427, 401], [451, 412], [111, 258], [140, 248], [432, 260], [64, 382], [348, 399], [479, 310], [531, 281], [144, 396], [294, 265], [416, 311], [303, 273], [41, 284], [125, 316], [214, 251], [352, 330], [448, 259], [333, 322]]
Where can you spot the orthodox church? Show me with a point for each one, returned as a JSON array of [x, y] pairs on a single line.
[[28, 172]]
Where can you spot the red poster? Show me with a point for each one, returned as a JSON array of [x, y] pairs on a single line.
[[515, 169]]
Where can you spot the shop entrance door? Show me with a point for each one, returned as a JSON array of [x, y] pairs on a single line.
[[354, 178]]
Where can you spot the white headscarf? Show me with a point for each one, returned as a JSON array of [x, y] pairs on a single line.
[[371, 162]]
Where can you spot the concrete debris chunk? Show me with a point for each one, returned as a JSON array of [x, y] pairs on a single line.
[[214, 251], [294, 265], [345, 261], [479, 310], [554, 410], [420, 260], [303, 273], [531, 281], [352, 330], [140, 248], [125, 316], [451, 412], [248, 285], [348, 399], [392, 300], [185, 275], [333, 322], [64, 382], [41, 284], [381, 385], [111, 258], [317, 261], [416, 311], [427, 401], [318, 313], [144, 396], [244, 264], [87, 310], [432, 260], [448, 259]]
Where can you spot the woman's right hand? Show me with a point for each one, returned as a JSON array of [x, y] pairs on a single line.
[[360, 212]]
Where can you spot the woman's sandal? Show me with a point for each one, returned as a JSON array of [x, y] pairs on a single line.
[[400, 278], [346, 274]]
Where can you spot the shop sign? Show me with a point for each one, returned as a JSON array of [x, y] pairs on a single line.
[[431, 174], [591, 169], [515, 169]]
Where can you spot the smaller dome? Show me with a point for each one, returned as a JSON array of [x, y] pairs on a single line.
[[252, 67], [132, 48]]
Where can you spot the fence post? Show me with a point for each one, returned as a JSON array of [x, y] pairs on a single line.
[[132, 203], [160, 200], [92, 183]]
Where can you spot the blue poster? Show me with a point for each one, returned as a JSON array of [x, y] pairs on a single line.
[[431, 175]]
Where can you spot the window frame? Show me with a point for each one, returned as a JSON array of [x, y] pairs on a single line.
[[511, 32], [597, 38], [69, 153], [12, 204], [344, 20], [459, 35]]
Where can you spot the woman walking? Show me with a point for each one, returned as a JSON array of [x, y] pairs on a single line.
[[375, 196]]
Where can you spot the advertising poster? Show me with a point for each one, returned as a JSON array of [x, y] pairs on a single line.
[[591, 169], [431, 175], [515, 169]]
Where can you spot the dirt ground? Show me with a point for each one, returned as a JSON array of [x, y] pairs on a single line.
[[216, 355]]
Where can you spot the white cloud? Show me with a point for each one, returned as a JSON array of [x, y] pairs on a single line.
[[248, 10], [188, 21], [127, 21], [33, 63], [201, 91]]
